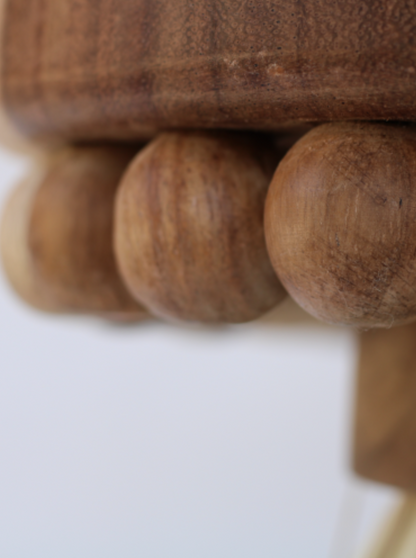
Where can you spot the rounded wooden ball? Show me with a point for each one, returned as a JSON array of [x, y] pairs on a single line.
[[16, 256], [189, 231], [340, 223], [57, 235]]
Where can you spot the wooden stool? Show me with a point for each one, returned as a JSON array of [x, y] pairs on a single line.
[[187, 238]]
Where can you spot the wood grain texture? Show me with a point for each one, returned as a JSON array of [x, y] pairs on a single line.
[[385, 415], [340, 223], [189, 227], [57, 235], [82, 69]]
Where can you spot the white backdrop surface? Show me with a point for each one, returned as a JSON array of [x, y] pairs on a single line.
[[157, 441]]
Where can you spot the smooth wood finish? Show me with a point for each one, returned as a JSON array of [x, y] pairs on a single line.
[[71, 229], [57, 235], [14, 241], [385, 414], [341, 223], [82, 69], [189, 227]]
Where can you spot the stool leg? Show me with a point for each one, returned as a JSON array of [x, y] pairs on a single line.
[[385, 413]]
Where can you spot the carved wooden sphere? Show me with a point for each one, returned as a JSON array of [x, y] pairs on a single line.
[[340, 223], [189, 231]]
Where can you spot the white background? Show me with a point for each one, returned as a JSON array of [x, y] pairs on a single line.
[[157, 441]]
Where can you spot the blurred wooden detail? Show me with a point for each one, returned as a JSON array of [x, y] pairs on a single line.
[[288, 313], [56, 234], [10, 138], [397, 537], [385, 414], [110, 69], [14, 241]]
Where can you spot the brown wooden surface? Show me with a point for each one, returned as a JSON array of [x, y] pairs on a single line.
[[71, 230], [57, 231], [385, 415], [10, 138], [82, 69], [340, 223], [189, 234], [16, 255]]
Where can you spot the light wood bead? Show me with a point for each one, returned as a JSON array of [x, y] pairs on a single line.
[[189, 227], [340, 223], [57, 235], [16, 255]]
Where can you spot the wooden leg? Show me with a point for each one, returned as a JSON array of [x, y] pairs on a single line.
[[385, 414]]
